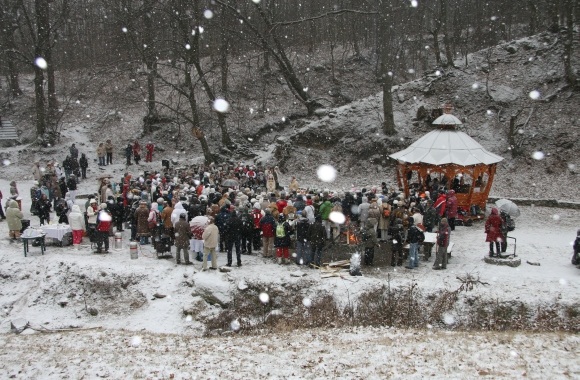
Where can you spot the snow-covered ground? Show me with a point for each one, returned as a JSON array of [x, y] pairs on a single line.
[[36, 287], [357, 353]]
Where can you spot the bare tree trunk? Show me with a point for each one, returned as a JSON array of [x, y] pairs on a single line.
[[226, 140], [533, 9], [224, 68], [150, 60], [446, 39], [8, 19], [569, 43], [387, 59], [436, 48], [42, 44]]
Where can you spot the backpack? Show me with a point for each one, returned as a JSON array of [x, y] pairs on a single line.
[[280, 230], [386, 212], [256, 216]]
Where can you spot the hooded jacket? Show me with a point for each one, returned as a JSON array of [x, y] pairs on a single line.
[[76, 219], [14, 216], [178, 210], [493, 227]]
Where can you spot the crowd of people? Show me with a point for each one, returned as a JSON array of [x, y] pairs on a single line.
[[247, 210]]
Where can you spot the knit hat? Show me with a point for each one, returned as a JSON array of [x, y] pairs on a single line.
[[103, 206], [257, 205], [92, 201]]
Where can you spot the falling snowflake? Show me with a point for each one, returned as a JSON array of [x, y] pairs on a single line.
[[448, 319], [189, 318], [337, 217], [414, 3], [326, 173], [256, 1], [475, 86], [208, 14], [124, 29], [556, 217], [535, 95], [306, 302], [221, 105], [136, 341], [438, 73], [264, 298], [563, 282], [538, 155], [6, 162], [235, 325], [187, 46], [41, 63]]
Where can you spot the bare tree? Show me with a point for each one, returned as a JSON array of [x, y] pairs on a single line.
[[271, 42], [9, 19], [195, 55], [569, 43]]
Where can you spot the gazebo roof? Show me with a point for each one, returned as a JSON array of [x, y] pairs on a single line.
[[444, 146]]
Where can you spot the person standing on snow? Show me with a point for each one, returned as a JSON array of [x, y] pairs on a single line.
[[136, 152], [282, 240], [149, 148], [84, 164], [443, 236], [182, 236], [101, 154], [109, 152], [493, 233], [128, 153], [451, 209], [14, 218], [74, 152], [76, 221]]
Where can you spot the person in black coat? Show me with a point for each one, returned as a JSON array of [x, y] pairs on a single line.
[[128, 153], [397, 233], [303, 253], [317, 240], [84, 164], [43, 207], [220, 221], [282, 239], [233, 234], [118, 212]]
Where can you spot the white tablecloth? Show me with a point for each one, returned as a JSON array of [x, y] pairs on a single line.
[[56, 231]]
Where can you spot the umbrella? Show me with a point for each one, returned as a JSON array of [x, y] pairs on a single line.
[[230, 182], [508, 207], [198, 225]]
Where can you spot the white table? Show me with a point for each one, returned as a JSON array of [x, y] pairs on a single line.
[[56, 231]]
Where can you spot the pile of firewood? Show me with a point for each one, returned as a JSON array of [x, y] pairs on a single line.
[[335, 269]]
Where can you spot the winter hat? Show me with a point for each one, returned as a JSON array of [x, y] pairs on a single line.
[[257, 205], [103, 206], [92, 201], [160, 200], [182, 216]]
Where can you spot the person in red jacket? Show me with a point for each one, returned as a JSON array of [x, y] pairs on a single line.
[[441, 204], [149, 148], [493, 232], [451, 209], [104, 220], [136, 152], [268, 226]]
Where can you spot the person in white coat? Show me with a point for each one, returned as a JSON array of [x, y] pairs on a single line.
[[76, 220], [178, 210]]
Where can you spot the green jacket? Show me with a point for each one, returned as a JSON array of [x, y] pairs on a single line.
[[325, 209]]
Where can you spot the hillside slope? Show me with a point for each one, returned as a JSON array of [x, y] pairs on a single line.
[[349, 137]]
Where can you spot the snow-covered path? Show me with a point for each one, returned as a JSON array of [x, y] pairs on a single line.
[[357, 353]]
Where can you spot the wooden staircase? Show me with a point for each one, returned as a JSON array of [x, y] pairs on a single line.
[[7, 131]]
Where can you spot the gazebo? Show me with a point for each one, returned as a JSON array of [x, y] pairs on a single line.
[[448, 158]]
